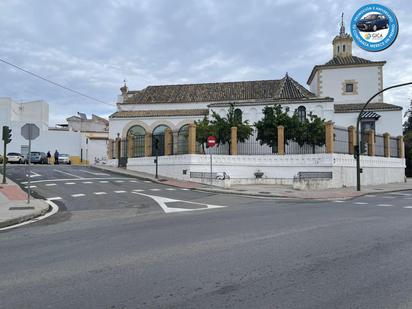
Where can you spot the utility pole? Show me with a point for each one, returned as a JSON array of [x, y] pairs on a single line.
[[357, 147], [157, 156], [6, 140]]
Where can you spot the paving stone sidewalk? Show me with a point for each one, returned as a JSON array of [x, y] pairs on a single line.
[[14, 208], [278, 191]]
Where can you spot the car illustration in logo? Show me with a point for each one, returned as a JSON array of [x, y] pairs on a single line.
[[373, 22]]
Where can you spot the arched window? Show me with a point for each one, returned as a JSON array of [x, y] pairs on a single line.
[[158, 140], [238, 114], [135, 136], [301, 113], [182, 140]]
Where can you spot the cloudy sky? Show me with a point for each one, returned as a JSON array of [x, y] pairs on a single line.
[[91, 45]]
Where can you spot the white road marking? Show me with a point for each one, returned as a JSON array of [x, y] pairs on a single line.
[[104, 181], [31, 187], [54, 210], [408, 207], [147, 181], [96, 174], [87, 182], [401, 194], [171, 189], [133, 181], [184, 189], [119, 191], [68, 179], [388, 197], [67, 173], [161, 201], [360, 203], [339, 201], [99, 193], [54, 198], [138, 190], [384, 205], [70, 183], [370, 195], [408, 198], [33, 175], [78, 195], [154, 189], [50, 184], [119, 181]]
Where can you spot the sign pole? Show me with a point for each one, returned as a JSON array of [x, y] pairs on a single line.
[[29, 173], [4, 163], [211, 169]]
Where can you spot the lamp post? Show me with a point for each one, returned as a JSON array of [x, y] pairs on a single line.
[[357, 148]]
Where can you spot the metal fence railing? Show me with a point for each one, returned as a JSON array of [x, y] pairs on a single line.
[[341, 140], [379, 145], [393, 146]]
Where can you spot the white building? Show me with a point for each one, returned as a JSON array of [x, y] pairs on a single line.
[[338, 90], [83, 145]]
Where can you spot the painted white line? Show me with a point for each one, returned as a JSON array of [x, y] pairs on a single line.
[[70, 183], [99, 193], [184, 189], [54, 198], [384, 205], [370, 195], [408, 207], [104, 181], [54, 210], [147, 181], [50, 184], [68, 179], [171, 189], [339, 201], [33, 175], [154, 189], [87, 182], [408, 198], [119, 191], [78, 195], [67, 173], [133, 181], [119, 181], [360, 203], [401, 194], [138, 190], [161, 201], [388, 197], [31, 187], [96, 174]]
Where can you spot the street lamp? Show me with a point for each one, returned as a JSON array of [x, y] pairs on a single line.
[[357, 148]]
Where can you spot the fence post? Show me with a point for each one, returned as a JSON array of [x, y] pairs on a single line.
[[329, 136], [233, 141], [371, 143], [386, 145], [110, 149], [130, 147], [168, 142], [148, 144], [401, 147], [192, 139], [281, 140], [351, 139]]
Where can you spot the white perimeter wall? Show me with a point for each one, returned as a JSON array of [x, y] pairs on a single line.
[[277, 169]]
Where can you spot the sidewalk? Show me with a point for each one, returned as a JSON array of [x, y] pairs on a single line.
[[264, 190], [14, 208]]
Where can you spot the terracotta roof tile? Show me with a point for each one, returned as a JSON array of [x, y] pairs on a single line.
[[160, 113], [356, 107]]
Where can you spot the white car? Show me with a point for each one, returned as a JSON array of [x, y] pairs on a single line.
[[15, 157], [64, 158]]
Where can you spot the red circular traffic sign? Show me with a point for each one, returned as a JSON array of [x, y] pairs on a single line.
[[211, 141]]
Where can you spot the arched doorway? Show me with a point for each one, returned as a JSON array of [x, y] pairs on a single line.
[[136, 134], [158, 141]]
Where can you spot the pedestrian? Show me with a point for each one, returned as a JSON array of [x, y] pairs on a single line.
[[48, 157], [56, 157]]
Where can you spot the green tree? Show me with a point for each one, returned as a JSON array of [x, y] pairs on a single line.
[[203, 130], [221, 126], [315, 130], [407, 132], [267, 127]]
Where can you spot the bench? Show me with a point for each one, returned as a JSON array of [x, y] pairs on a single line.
[[314, 175]]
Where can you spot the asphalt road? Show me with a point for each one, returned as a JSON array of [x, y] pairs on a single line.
[[124, 250]]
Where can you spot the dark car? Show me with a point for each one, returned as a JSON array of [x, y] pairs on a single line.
[[38, 157], [373, 22]]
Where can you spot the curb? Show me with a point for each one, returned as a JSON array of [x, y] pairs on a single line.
[[24, 218]]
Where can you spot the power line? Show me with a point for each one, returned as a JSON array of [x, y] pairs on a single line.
[[54, 83]]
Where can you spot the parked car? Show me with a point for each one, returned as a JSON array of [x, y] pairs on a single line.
[[15, 157], [373, 22], [38, 157], [64, 158]]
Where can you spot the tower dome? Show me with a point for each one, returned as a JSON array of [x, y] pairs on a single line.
[[342, 43]]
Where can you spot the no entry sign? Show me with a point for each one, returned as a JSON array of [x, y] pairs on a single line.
[[211, 141]]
